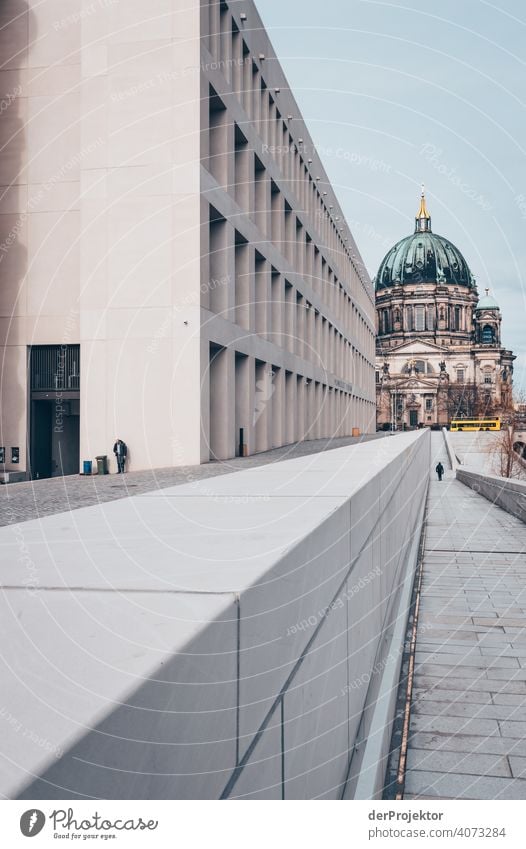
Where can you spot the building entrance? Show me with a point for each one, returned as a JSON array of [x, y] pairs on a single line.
[[413, 418], [55, 410]]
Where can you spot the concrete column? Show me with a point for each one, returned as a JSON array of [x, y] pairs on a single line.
[[262, 296], [278, 330], [245, 390], [310, 352], [290, 404], [290, 298], [279, 423], [300, 408], [300, 325], [244, 174], [310, 427], [242, 284], [214, 28], [277, 214], [225, 46], [324, 415], [317, 410], [222, 403], [262, 416]]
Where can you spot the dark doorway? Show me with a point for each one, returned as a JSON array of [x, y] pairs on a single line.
[[41, 425], [55, 410], [413, 418], [54, 449]]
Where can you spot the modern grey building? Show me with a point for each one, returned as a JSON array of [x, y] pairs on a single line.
[[175, 268]]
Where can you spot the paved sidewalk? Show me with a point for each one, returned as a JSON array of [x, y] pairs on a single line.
[[20, 502], [468, 716]]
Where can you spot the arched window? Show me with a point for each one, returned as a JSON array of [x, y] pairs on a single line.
[[488, 335]]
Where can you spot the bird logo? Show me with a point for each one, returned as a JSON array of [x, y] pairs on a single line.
[[32, 822]]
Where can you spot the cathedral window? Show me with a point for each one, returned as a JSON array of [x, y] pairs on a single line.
[[420, 318], [460, 375], [487, 378], [457, 319], [488, 335]]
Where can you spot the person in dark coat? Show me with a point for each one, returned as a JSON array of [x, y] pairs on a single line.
[[439, 470], [120, 449]]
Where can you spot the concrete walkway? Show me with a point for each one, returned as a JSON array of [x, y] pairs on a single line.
[[468, 716], [20, 502]]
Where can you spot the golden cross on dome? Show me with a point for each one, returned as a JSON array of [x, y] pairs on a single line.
[[423, 218]]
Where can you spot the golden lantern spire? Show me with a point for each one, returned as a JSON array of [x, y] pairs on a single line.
[[423, 218]]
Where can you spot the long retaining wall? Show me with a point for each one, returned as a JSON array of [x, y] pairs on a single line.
[[237, 637], [506, 493]]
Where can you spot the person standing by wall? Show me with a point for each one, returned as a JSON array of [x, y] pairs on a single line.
[[120, 449], [439, 470]]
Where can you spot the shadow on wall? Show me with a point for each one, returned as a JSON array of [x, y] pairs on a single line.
[[16, 21]]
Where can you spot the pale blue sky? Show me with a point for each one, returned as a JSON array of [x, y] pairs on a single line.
[[399, 93]]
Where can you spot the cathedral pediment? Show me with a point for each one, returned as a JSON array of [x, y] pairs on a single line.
[[417, 346], [411, 384]]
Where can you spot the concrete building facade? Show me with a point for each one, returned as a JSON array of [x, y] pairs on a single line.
[[174, 267], [439, 348]]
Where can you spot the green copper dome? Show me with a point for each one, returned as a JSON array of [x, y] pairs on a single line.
[[424, 257], [487, 302]]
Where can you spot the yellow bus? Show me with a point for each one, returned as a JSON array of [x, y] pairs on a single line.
[[475, 424]]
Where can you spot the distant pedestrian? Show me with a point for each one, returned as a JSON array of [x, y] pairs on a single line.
[[439, 470], [120, 449]]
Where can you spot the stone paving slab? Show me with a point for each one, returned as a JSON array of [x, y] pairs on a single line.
[[446, 785], [518, 766], [463, 762], [458, 696], [467, 735], [468, 744], [425, 707], [430, 683]]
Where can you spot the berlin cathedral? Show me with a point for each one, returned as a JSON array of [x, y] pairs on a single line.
[[439, 352]]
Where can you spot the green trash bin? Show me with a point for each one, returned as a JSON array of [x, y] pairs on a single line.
[[102, 464]]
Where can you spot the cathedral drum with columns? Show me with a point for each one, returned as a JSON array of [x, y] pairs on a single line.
[[439, 353]]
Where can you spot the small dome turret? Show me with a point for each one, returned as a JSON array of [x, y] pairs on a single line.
[[487, 302]]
